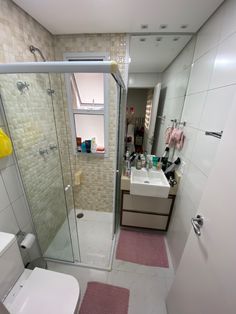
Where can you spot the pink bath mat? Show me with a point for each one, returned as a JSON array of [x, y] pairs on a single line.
[[145, 248], [101, 298]]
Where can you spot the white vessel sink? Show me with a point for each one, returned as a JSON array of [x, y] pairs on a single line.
[[149, 183]]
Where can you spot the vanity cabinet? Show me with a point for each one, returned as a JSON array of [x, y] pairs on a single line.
[[145, 211]]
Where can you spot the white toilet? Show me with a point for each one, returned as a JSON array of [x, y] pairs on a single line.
[[37, 291]]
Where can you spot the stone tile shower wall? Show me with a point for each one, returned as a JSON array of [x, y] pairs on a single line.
[[30, 130], [96, 191], [31, 124]]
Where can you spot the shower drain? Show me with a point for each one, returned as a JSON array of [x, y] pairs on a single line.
[[80, 215]]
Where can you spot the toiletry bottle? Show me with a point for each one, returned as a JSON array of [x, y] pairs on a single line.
[[159, 164], [139, 163], [143, 160], [127, 164], [93, 145], [164, 158], [83, 147], [154, 161]]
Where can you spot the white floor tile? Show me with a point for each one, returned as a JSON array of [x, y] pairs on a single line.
[[148, 285]]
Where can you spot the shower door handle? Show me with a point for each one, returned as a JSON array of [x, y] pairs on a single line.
[[67, 187]]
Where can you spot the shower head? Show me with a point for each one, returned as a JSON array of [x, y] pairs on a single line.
[[34, 49]]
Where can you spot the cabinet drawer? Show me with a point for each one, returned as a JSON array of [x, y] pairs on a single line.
[[144, 220], [147, 204]]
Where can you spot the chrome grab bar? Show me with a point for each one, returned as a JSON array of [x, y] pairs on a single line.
[[197, 224]]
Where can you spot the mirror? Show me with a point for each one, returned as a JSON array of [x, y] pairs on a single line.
[[159, 70]]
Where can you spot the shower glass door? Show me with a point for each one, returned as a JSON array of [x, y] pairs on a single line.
[[32, 109]]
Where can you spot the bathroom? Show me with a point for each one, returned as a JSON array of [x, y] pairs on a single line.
[[66, 205]]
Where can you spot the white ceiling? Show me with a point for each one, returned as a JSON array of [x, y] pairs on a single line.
[[152, 55], [108, 16]]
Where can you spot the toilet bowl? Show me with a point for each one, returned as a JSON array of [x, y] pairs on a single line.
[[37, 291]]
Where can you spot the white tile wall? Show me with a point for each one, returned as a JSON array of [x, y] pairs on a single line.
[[14, 212], [209, 36], [201, 73], [225, 64], [8, 221], [12, 183], [218, 103], [193, 107], [210, 94], [3, 195]]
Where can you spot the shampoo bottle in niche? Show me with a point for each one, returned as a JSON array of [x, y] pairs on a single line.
[[93, 145]]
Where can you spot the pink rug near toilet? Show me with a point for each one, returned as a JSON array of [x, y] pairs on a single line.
[[101, 298], [145, 248]]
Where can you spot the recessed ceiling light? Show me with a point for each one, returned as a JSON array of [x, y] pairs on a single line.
[[175, 38], [163, 26], [144, 26], [142, 39], [184, 26], [159, 39]]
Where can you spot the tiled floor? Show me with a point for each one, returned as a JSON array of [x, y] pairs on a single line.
[[95, 239], [148, 285]]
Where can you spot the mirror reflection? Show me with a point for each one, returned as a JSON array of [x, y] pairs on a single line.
[[158, 77]]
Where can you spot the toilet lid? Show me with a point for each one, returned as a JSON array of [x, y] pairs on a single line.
[[47, 292]]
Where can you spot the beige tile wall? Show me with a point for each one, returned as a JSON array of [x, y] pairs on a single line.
[[97, 185]]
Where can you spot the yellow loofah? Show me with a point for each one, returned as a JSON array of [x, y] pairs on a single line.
[[5, 145]]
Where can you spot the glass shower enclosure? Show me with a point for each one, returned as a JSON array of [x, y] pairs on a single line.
[[34, 102]]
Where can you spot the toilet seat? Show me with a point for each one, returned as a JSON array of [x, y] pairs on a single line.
[[46, 292]]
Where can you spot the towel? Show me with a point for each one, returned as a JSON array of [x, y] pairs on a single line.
[[177, 138], [172, 139]]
